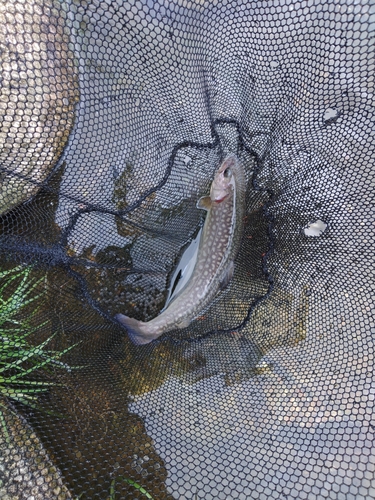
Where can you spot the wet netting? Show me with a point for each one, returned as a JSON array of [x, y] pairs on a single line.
[[114, 117]]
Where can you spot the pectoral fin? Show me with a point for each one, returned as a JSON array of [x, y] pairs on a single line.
[[183, 323], [204, 203], [228, 276]]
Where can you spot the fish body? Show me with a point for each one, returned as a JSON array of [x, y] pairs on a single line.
[[218, 247]]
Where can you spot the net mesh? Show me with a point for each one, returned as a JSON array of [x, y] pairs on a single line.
[[114, 118]]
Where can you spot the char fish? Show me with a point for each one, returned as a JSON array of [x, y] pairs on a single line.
[[218, 247]]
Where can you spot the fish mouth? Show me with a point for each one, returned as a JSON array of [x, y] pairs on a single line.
[[221, 199]]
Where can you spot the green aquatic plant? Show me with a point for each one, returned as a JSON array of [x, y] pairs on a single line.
[[132, 483], [21, 361]]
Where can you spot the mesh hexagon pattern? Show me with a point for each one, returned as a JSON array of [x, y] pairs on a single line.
[[114, 118]]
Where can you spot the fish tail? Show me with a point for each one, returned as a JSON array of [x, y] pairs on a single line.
[[137, 330]]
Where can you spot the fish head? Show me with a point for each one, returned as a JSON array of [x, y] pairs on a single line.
[[223, 182]]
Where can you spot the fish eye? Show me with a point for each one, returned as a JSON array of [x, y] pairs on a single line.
[[227, 173]]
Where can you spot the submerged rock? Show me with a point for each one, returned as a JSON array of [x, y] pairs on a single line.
[[38, 94], [26, 470]]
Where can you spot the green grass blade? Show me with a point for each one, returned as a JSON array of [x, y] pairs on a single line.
[[19, 359], [33, 352], [15, 393], [14, 381], [132, 483]]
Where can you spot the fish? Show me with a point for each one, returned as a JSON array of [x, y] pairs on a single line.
[[218, 247]]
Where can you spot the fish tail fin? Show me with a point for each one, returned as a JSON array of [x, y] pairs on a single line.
[[137, 330]]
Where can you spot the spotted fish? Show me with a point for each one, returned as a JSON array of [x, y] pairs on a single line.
[[218, 247]]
